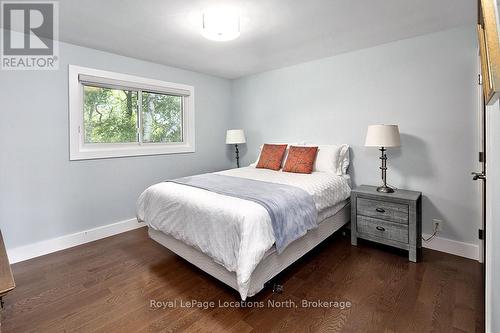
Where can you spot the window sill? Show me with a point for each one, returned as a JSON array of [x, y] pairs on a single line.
[[124, 150]]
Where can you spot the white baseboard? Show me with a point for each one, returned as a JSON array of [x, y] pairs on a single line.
[[461, 249], [34, 250], [26, 252]]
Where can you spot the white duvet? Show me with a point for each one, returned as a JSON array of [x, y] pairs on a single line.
[[236, 233]]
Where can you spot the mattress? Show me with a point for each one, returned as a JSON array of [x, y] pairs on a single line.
[[327, 189], [235, 233]]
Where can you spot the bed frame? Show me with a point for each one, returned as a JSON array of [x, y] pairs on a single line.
[[272, 263]]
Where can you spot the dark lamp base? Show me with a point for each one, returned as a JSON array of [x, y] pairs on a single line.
[[385, 189]]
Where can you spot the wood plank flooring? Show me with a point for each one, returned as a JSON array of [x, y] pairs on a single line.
[[107, 286]]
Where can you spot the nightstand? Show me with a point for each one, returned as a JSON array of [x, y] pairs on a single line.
[[393, 219]]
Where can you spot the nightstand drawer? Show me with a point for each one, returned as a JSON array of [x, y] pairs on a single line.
[[387, 230], [389, 211]]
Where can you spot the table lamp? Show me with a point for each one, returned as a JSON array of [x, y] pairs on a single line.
[[235, 137], [383, 136]]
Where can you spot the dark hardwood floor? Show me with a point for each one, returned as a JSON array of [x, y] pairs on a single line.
[[107, 286]]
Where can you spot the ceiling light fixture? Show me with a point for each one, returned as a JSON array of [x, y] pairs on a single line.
[[220, 26]]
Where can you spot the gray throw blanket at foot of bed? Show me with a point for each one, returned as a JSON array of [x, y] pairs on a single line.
[[292, 210]]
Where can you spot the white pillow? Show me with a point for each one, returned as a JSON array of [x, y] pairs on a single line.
[[254, 164], [332, 158], [343, 159], [326, 159]]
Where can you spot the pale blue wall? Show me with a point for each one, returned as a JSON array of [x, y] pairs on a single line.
[[427, 85], [44, 195]]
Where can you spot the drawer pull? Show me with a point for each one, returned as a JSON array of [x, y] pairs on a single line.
[[379, 228], [380, 210]]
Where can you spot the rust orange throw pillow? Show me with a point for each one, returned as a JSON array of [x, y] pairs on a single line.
[[300, 159], [271, 156]]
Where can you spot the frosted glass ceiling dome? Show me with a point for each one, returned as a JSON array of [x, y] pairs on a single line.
[[220, 25]]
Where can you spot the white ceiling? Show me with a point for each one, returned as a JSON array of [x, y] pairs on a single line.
[[274, 33]]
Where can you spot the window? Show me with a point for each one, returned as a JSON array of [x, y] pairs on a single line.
[[109, 115], [117, 115], [161, 117]]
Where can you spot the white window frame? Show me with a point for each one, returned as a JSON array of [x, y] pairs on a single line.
[[79, 150]]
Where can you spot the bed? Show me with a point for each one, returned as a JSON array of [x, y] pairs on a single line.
[[231, 238]]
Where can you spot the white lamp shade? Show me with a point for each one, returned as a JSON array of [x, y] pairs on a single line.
[[383, 136], [235, 136]]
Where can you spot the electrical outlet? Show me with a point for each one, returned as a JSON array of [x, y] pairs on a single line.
[[437, 225]]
